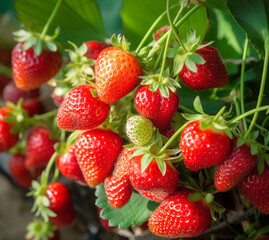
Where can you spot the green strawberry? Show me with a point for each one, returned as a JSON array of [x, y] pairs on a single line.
[[139, 130]]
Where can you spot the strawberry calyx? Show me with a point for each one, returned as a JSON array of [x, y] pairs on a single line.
[[79, 70], [151, 152], [216, 123], [256, 148], [162, 83], [206, 193], [37, 41], [187, 56], [40, 230], [120, 42]]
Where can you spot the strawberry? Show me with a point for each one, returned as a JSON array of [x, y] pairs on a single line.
[[4, 81], [39, 147], [160, 32], [255, 188], [61, 204], [238, 164], [22, 176], [118, 186], [178, 217], [69, 167], [97, 151], [152, 105], [80, 110], [168, 132], [151, 183], [33, 106], [117, 73], [139, 130], [94, 49], [203, 148], [30, 71], [211, 74], [12, 93], [7, 139], [265, 237]]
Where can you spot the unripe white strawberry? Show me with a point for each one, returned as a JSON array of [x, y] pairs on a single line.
[[139, 130]]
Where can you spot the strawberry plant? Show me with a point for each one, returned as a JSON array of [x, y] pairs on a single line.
[[167, 121]]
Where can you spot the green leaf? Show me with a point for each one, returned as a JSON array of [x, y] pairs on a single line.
[[145, 161], [252, 16], [135, 212], [195, 197], [79, 18], [139, 15]]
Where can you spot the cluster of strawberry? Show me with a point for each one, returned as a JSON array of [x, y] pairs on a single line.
[[97, 97]]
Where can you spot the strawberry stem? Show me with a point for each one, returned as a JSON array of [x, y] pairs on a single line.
[[151, 29], [48, 168], [236, 119], [179, 23], [172, 23], [45, 115], [46, 27], [171, 139], [263, 81], [242, 81]]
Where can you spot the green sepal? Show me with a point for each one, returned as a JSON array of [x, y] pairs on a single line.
[[209, 198], [120, 42], [260, 165], [162, 166], [198, 105], [195, 197], [145, 161], [40, 230]]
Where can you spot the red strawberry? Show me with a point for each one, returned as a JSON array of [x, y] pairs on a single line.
[[56, 236], [160, 32], [238, 164], [69, 167], [255, 188], [97, 151], [33, 107], [7, 139], [61, 204], [159, 109], [178, 217], [20, 173], [104, 222], [30, 71], [4, 80], [168, 132], [94, 49], [57, 99], [203, 148], [80, 110], [211, 74], [12, 93], [117, 73], [118, 186], [151, 183], [39, 147]]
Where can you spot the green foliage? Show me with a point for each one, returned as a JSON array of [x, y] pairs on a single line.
[[252, 16], [139, 15], [134, 213], [79, 20]]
